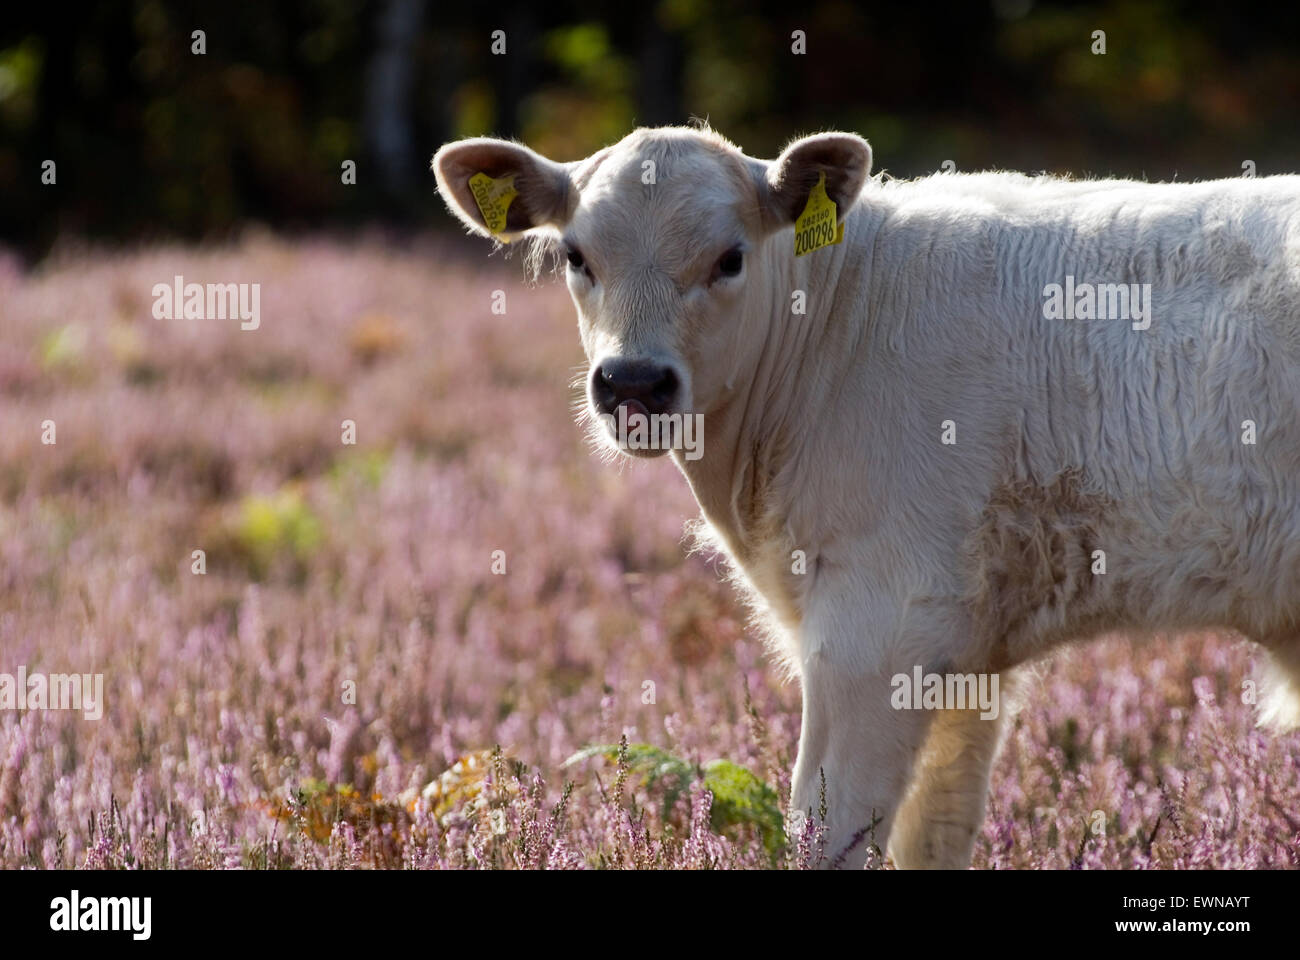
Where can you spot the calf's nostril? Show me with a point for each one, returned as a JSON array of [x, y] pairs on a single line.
[[666, 387], [603, 392]]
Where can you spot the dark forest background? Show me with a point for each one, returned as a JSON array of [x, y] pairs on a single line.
[[151, 140]]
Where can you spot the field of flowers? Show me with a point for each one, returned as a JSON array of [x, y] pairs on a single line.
[[350, 684]]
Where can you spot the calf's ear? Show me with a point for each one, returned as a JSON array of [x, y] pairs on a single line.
[[845, 158], [521, 190]]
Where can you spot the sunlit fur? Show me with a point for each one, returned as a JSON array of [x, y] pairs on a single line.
[[1072, 436]]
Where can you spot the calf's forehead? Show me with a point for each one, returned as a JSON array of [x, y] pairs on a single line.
[[668, 199]]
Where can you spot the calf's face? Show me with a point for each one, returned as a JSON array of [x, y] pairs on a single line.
[[661, 236]]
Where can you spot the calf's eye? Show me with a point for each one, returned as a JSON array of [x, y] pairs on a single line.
[[731, 262], [575, 259]]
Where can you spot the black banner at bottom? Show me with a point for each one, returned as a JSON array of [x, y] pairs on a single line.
[[299, 910]]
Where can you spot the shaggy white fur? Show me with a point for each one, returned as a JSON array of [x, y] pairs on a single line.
[[970, 475]]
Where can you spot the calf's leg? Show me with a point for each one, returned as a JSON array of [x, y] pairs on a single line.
[[944, 807], [852, 733], [863, 748]]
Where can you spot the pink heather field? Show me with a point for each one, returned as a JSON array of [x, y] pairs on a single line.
[[350, 684]]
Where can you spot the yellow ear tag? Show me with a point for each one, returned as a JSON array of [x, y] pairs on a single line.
[[493, 198], [817, 226]]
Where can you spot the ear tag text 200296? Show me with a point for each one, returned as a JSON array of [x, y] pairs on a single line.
[[817, 226], [493, 198]]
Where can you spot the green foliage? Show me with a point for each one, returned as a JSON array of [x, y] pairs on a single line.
[[585, 53], [64, 348], [365, 468], [20, 73], [739, 797], [277, 527]]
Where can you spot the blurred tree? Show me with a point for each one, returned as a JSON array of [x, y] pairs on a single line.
[[659, 80], [389, 87]]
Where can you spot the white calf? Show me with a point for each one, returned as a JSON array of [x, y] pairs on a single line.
[[1002, 413]]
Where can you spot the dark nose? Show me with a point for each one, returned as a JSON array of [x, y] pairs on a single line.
[[618, 380]]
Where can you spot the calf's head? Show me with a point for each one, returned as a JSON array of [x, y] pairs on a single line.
[[663, 235]]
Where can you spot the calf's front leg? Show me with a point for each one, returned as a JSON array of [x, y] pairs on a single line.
[[852, 645], [863, 747]]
